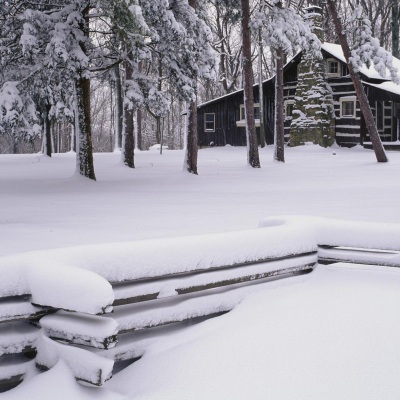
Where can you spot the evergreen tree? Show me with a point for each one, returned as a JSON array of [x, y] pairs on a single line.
[[58, 45]]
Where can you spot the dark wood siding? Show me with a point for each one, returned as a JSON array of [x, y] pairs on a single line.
[[227, 113], [349, 130]]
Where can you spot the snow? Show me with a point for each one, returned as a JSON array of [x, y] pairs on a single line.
[[336, 347], [14, 309], [58, 383], [82, 329], [134, 260], [329, 232], [167, 288], [69, 288], [143, 315], [387, 86], [16, 336], [330, 334], [370, 72], [83, 364]]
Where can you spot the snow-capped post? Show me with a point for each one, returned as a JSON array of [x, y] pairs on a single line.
[[361, 96], [252, 145]]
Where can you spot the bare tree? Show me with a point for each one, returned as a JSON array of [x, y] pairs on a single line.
[[192, 138], [362, 97], [395, 28], [252, 145]]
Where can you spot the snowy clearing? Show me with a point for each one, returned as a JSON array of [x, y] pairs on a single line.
[[301, 338]]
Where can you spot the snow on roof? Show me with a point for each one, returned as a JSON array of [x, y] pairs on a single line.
[[336, 51], [387, 86], [232, 93]]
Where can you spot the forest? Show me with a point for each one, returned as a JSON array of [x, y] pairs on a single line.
[[95, 76]]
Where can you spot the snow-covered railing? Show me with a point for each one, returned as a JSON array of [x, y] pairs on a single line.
[[355, 242], [148, 284], [59, 303]]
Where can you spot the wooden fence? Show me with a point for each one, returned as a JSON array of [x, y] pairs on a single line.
[[146, 308]]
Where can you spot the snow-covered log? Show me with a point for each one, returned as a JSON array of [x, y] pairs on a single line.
[[83, 364], [75, 328]]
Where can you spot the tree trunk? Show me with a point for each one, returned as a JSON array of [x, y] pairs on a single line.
[[252, 145], [119, 108], [192, 146], [47, 131], [361, 96], [395, 28], [279, 154], [139, 137], [139, 129], [128, 127], [84, 134], [260, 90]]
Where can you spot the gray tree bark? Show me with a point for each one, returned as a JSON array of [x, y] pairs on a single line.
[[395, 28], [128, 127], [279, 118], [361, 96], [252, 145], [85, 153], [119, 110], [47, 131], [192, 138]]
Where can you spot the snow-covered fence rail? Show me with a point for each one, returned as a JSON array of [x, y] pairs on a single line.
[[148, 284], [59, 302], [350, 241]]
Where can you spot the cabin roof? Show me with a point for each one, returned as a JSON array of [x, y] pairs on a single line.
[[231, 94], [387, 87], [335, 50]]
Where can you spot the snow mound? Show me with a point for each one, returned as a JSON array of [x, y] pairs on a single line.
[[70, 288], [83, 364]]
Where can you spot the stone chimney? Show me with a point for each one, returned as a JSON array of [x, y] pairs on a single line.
[[313, 15], [313, 118]]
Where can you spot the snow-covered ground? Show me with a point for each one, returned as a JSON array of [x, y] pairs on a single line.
[[330, 335], [42, 205]]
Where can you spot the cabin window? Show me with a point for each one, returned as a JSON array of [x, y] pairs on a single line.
[[333, 67], [242, 119], [289, 106], [209, 122], [348, 107], [256, 111]]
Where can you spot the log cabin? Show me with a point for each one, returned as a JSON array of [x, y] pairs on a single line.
[[221, 121]]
